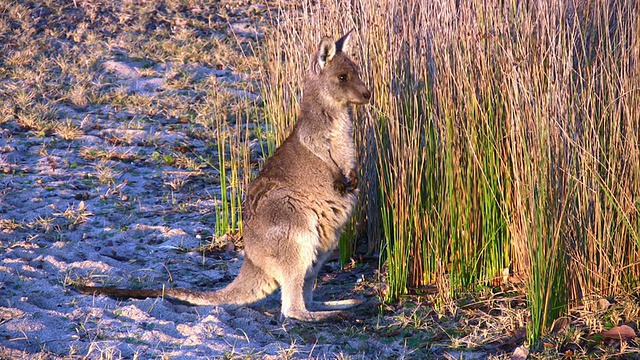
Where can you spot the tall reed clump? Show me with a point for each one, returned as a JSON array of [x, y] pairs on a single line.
[[505, 138]]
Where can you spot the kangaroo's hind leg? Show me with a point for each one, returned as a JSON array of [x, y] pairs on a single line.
[[296, 280], [294, 307], [309, 285]]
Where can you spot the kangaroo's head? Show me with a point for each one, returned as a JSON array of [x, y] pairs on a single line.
[[333, 77]]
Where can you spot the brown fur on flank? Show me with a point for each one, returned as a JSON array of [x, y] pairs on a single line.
[[295, 210]]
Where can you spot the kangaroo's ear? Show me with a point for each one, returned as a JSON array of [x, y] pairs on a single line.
[[342, 45], [326, 52]]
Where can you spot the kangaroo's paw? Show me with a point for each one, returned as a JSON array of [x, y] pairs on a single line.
[[345, 184], [340, 184], [334, 305], [352, 181]]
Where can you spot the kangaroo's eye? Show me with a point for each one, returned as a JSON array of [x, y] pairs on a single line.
[[343, 77]]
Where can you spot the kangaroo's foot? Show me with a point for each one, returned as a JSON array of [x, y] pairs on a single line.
[[295, 305], [333, 305], [314, 316]]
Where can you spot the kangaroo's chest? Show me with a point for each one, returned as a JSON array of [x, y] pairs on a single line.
[[342, 145]]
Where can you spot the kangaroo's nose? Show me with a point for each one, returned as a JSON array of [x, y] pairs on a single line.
[[366, 95]]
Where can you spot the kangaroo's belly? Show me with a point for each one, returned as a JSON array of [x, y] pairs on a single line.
[[277, 214], [332, 215], [293, 198]]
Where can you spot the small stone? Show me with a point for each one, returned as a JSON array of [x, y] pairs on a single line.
[[603, 304], [622, 332], [520, 353], [560, 325], [87, 124]]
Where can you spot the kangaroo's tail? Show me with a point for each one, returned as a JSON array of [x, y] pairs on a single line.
[[251, 284]]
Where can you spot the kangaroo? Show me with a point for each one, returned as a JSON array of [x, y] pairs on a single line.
[[296, 208]]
